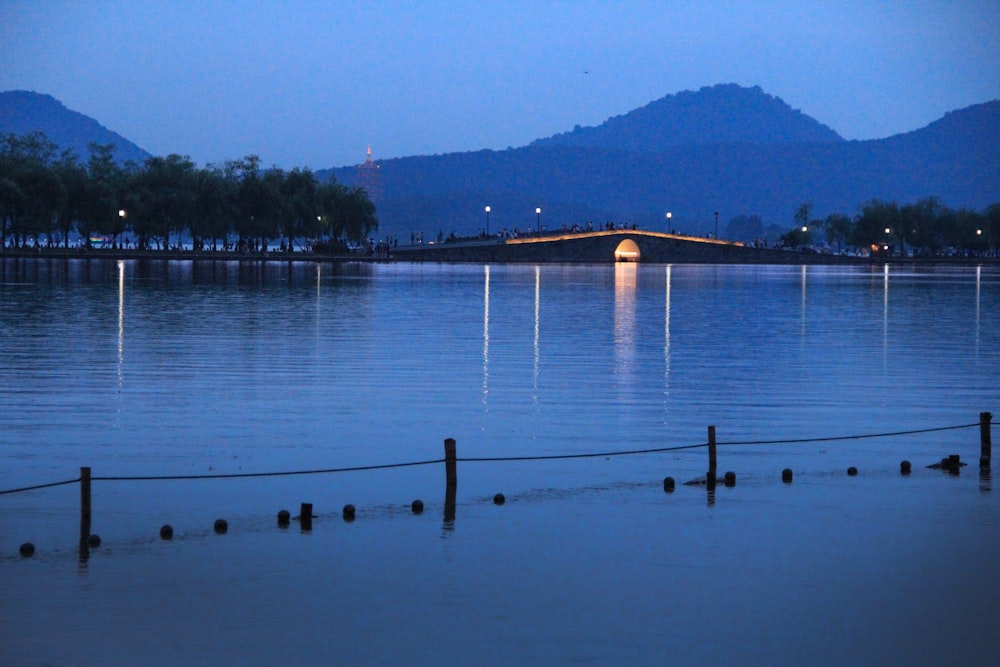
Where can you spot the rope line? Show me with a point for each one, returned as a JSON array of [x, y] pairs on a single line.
[[481, 459], [40, 486], [847, 437], [385, 466], [545, 457]]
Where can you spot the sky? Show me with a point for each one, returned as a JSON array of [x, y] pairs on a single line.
[[313, 84]]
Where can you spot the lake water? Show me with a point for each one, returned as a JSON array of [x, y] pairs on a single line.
[[180, 368]]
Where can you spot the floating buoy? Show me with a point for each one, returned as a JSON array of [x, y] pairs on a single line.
[[905, 467], [284, 518], [786, 475], [166, 532], [27, 549], [349, 512], [730, 478], [94, 541], [417, 506], [852, 471], [668, 484], [499, 499], [221, 526]]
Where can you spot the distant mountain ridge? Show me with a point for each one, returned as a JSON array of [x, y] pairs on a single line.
[[725, 113], [725, 148], [24, 112]]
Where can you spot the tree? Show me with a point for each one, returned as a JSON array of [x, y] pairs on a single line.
[[99, 211], [166, 196], [11, 198], [870, 227], [30, 192], [303, 206], [331, 198], [921, 222], [44, 196], [958, 229], [73, 176], [11, 195], [802, 214], [359, 215], [991, 227], [256, 203], [837, 227], [215, 207], [801, 235]]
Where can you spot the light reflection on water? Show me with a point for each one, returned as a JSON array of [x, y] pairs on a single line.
[[195, 367]]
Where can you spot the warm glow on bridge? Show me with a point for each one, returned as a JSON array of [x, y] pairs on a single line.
[[617, 232], [627, 251]]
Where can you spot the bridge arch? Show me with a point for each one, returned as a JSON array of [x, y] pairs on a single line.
[[627, 251]]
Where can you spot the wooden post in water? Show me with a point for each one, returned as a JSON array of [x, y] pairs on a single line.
[[985, 439], [710, 479], [450, 462], [84, 514], [451, 486], [306, 516]]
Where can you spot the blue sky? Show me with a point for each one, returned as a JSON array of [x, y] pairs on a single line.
[[314, 83]]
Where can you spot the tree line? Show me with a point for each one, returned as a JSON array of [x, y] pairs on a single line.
[[46, 196], [925, 228]]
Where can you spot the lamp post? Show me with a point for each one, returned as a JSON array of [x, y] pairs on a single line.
[[122, 214], [716, 225], [538, 219], [669, 215], [487, 221]]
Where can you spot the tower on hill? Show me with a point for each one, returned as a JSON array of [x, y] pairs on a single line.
[[370, 178]]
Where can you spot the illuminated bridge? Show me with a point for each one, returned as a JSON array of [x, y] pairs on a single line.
[[602, 247]]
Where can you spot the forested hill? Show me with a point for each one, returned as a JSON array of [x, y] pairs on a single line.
[[23, 112], [757, 157], [726, 113]]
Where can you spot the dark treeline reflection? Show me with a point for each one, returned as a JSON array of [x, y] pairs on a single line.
[[172, 272]]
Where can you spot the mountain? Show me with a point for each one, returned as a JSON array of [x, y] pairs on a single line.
[[23, 112], [726, 113], [725, 148]]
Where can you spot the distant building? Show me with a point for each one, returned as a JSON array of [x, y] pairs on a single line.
[[370, 178]]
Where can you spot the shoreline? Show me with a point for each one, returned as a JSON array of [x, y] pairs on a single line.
[[773, 257]]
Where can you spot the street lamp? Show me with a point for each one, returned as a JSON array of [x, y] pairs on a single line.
[[121, 214], [487, 220], [538, 218], [669, 215], [716, 225]]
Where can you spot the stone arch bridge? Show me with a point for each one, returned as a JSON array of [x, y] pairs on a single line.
[[599, 248]]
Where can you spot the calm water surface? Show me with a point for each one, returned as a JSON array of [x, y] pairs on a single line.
[[183, 368]]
